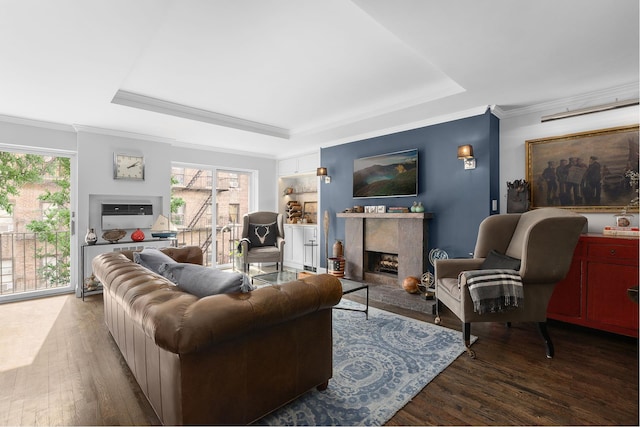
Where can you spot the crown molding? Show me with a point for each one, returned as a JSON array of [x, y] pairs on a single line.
[[444, 118], [209, 148], [36, 123], [623, 92], [143, 102], [122, 134]]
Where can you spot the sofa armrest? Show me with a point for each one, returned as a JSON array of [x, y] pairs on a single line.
[[450, 268]]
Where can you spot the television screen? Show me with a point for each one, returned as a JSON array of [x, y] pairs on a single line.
[[386, 175]]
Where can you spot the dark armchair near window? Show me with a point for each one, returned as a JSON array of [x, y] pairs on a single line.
[[543, 240], [262, 239]]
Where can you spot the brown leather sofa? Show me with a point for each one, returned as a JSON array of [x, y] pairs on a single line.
[[222, 359]]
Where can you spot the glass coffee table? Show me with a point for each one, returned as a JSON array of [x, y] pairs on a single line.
[[284, 276], [274, 278]]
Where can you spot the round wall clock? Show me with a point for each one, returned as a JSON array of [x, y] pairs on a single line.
[[128, 166]]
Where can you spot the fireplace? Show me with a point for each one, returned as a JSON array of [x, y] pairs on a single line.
[[381, 267], [385, 248]]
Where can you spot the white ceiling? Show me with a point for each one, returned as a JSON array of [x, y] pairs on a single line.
[[277, 77]]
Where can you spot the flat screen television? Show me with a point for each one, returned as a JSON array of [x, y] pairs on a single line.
[[386, 175]]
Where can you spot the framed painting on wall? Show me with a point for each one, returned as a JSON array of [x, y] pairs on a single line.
[[585, 172]]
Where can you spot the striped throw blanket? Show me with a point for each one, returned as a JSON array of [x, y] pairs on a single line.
[[495, 290]]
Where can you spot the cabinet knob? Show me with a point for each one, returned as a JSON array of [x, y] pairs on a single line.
[[612, 252]]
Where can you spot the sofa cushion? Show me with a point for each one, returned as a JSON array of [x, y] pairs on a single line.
[[203, 281], [263, 234], [497, 260], [152, 258]]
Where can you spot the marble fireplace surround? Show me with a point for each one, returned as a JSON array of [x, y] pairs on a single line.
[[403, 234]]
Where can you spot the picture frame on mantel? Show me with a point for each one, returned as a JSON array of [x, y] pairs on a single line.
[[584, 172]]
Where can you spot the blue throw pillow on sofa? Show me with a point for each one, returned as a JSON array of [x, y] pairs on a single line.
[[203, 281], [263, 234], [152, 258]]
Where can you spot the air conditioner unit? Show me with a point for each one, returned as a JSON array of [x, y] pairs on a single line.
[[126, 216]]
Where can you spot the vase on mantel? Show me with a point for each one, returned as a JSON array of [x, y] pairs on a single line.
[[137, 236], [90, 238], [419, 208]]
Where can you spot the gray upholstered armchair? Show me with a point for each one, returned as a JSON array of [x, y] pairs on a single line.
[[543, 240], [262, 238]]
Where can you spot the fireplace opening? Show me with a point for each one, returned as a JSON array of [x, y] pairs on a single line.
[[380, 262]]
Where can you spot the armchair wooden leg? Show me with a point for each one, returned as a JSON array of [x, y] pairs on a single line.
[[542, 327], [466, 334]]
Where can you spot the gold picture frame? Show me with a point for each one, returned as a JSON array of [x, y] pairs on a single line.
[[584, 172]]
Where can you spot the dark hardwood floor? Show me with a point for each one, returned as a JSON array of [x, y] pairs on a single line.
[[73, 374]]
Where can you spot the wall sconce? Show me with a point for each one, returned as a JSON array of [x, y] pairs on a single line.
[[322, 171], [465, 152]]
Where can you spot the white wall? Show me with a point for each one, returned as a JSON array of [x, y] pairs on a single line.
[[93, 150], [514, 131]]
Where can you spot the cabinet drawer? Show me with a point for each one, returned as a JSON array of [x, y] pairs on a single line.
[[611, 252]]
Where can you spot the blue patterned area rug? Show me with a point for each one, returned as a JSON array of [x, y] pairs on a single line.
[[380, 364]]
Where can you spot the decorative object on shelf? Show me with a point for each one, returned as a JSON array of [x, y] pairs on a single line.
[[112, 236], [410, 284], [288, 190], [427, 285], [465, 152], [435, 254], [338, 249], [419, 208], [413, 207], [310, 212], [518, 196], [623, 220], [137, 236], [397, 209], [591, 169], [293, 211], [90, 238], [163, 228], [633, 176], [336, 266], [128, 166], [621, 231]]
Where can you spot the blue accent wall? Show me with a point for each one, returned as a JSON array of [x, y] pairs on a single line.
[[459, 199]]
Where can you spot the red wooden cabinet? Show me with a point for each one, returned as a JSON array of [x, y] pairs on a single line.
[[594, 293]]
